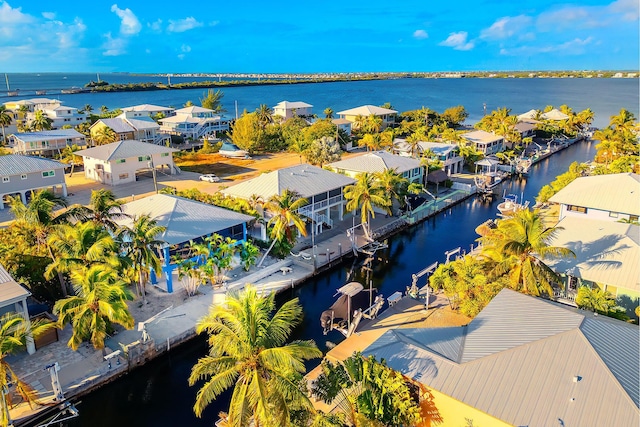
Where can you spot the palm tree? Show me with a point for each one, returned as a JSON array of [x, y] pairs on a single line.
[[41, 121], [99, 301], [247, 351], [328, 112], [265, 115], [623, 122], [5, 120], [81, 244], [517, 247], [393, 185], [595, 299], [104, 209], [365, 194], [15, 331], [87, 108], [104, 135], [212, 100], [284, 211], [104, 110], [369, 393], [141, 245]]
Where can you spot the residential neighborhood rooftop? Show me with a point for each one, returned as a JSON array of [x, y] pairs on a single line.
[[124, 149], [366, 110], [481, 136], [51, 134], [14, 164], [377, 161]]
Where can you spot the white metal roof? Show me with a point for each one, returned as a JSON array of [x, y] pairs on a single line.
[[367, 110], [607, 252], [184, 219], [305, 179], [48, 135], [147, 108], [531, 114], [555, 114], [124, 150], [534, 362], [193, 110], [481, 136], [286, 105], [614, 193], [17, 164], [376, 161], [10, 291]]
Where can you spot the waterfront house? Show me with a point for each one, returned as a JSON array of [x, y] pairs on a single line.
[[59, 114], [128, 126], [554, 115], [530, 116], [13, 299], [380, 161], [388, 116], [286, 109], [323, 190], [185, 220], [598, 222], [485, 142], [120, 162], [448, 154], [194, 123], [526, 129], [47, 142], [523, 361], [20, 175], [149, 110]]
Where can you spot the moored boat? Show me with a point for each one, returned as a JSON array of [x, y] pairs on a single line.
[[510, 205], [352, 305]]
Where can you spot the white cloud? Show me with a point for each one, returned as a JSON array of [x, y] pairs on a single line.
[[69, 34], [458, 41], [114, 46], [185, 48], [576, 46], [505, 27], [420, 34], [129, 22], [49, 15], [11, 20], [182, 25], [155, 26], [629, 9]]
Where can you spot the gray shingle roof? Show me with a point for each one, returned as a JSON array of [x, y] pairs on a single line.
[[615, 193], [17, 164], [526, 353], [185, 219], [377, 161], [124, 150], [305, 179], [48, 134]]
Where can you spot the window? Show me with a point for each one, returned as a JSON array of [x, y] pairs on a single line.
[[121, 161], [580, 209], [613, 214], [123, 176], [144, 158], [23, 176], [5, 179], [164, 155], [633, 218], [47, 174]]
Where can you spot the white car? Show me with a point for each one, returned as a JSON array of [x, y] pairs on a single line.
[[210, 177]]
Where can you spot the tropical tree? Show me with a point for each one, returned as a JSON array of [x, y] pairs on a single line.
[[41, 121], [141, 245], [104, 110], [322, 151], [393, 184], [247, 132], [518, 246], [87, 108], [248, 351], [369, 393], [328, 113], [212, 100], [104, 135], [15, 332], [104, 209], [265, 115], [5, 120], [595, 299], [100, 300], [285, 219], [365, 194], [454, 116]]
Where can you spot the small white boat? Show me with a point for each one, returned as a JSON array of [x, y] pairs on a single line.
[[486, 182], [232, 151], [510, 205]]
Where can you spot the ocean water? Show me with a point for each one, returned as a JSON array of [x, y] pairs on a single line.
[[605, 97]]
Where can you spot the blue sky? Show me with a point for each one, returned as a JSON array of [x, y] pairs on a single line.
[[293, 36]]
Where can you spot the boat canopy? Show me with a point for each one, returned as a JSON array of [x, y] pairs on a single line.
[[351, 289]]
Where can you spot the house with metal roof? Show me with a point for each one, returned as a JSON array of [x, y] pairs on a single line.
[[59, 114], [129, 125], [120, 162], [20, 175], [185, 220], [448, 154], [485, 142], [286, 109], [149, 110], [323, 190], [524, 361], [13, 299], [387, 115], [598, 222], [526, 129], [46, 142], [194, 123], [554, 115], [380, 161]]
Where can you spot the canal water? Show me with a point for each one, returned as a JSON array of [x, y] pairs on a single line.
[[158, 395]]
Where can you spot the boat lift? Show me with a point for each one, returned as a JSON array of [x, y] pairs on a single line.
[[414, 290]]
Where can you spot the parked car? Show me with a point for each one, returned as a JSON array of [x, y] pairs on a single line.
[[210, 177]]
